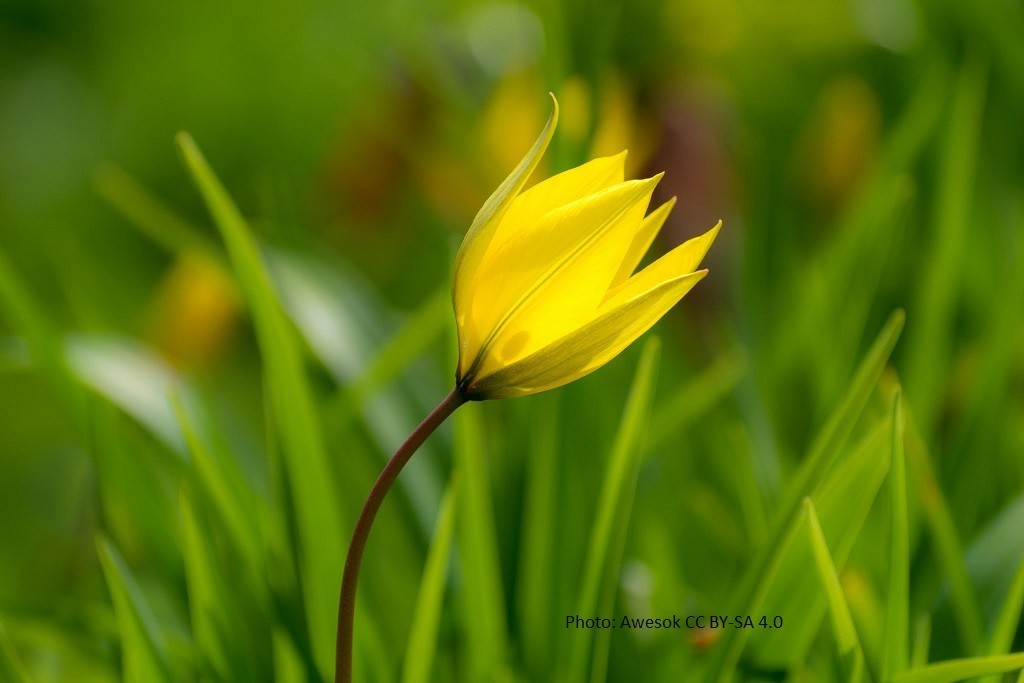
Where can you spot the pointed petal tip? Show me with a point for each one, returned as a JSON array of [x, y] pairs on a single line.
[[620, 158], [710, 235], [651, 182], [662, 211], [696, 275], [554, 106]]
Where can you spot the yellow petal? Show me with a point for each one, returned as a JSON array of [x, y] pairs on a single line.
[[551, 275], [589, 347], [570, 297], [559, 190], [481, 232], [682, 260], [642, 241]]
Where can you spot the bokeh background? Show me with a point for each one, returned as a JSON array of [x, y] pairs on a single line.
[[186, 434]]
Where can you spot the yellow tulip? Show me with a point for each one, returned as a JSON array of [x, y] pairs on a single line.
[[544, 289], [544, 293]]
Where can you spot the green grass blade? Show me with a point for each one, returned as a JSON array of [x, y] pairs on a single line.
[[228, 495], [995, 553], [942, 530], [137, 508], [614, 505], [288, 666], [606, 604], [781, 540], [373, 661], [1006, 623], [868, 611], [847, 642], [421, 649], [842, 504], [928, 340], [961, 669], [145, 212], [866, 237], [29, 319], [11, 668], [535, 585], [749, 490], [827, 444], [695, 397], [857, 248], [143, 657], [898, 601], [383, 395], [910, 137], [823, 452], [26, 315], [132, 377], [421, 329], [320, 519], [922, 641], [483, 601], [1004, 629], [205, 592], [230, 618], [343, 321]]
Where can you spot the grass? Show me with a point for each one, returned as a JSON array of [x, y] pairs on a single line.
[[779, 447]]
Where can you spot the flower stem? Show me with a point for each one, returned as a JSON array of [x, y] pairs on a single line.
[[347, 600]]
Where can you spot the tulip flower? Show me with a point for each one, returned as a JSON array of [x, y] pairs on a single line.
[[544, 290], [544, 293]]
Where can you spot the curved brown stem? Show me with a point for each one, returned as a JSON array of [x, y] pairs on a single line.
[[347, 600]]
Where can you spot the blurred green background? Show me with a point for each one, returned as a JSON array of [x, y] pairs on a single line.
[[187, 431]]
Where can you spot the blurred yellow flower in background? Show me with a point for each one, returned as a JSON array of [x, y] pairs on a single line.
[[544, 291], [840, 144], [599, 120], [194, 311]]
